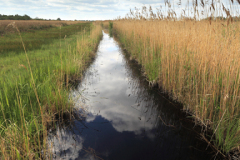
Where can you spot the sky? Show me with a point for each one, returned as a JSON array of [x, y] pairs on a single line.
[[73, 9], [77, 9]]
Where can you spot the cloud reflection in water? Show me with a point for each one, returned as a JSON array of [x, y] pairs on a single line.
[[123, 115]]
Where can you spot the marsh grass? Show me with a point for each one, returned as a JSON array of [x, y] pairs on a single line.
[[195, 61], [30, 25], [34, 88], [33, 38], [110, 27]]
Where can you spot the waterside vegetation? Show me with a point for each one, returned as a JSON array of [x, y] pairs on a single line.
[[34, 85], [194, 60]]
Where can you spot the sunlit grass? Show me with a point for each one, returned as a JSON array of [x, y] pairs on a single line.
[[34, 38], [34, 90]]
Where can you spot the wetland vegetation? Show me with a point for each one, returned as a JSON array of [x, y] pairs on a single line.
[[36, 74], [34, 34], [193, 59]]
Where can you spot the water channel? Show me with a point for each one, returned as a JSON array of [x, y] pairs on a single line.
[[124, 118]]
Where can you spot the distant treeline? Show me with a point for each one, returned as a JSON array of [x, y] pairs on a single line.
[[19, 17], [14, 17]]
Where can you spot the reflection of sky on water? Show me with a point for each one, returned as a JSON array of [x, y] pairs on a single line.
[[123, 116], [113, 97]]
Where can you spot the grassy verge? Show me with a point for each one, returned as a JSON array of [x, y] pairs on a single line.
[[34, 89], [197, 63]]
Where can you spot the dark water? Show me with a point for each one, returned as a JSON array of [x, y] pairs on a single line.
[[124, 118]]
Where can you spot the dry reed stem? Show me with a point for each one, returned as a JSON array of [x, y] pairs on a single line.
[[196, 63]]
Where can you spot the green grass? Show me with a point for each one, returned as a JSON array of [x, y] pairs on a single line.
[[34, 39], [34, 86]]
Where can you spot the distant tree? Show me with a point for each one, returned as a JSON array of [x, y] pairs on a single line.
[[10, 17], [14, 17], [58, 19]]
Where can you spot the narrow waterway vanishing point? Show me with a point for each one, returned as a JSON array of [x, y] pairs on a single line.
[[124, 118]]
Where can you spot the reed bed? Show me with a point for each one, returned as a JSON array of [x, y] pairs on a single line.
[[34, 91], [196, 63]]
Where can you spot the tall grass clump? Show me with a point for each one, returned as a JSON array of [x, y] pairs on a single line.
[[34, 89], [195, 59], [110, 27]]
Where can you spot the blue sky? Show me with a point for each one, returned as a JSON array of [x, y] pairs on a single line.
[[77, 9]]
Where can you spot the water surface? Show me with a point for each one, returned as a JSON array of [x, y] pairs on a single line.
[[125, 118]]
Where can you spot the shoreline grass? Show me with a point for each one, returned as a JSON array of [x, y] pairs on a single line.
[[196, 63], [34, 89]]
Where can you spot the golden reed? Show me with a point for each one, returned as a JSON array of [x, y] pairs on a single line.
[[196, 62]]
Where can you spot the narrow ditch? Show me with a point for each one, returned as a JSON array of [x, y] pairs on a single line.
[[123, 118]]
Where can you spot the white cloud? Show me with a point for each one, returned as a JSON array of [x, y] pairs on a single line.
[[71, 9], [86, 9], [65, 143]]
